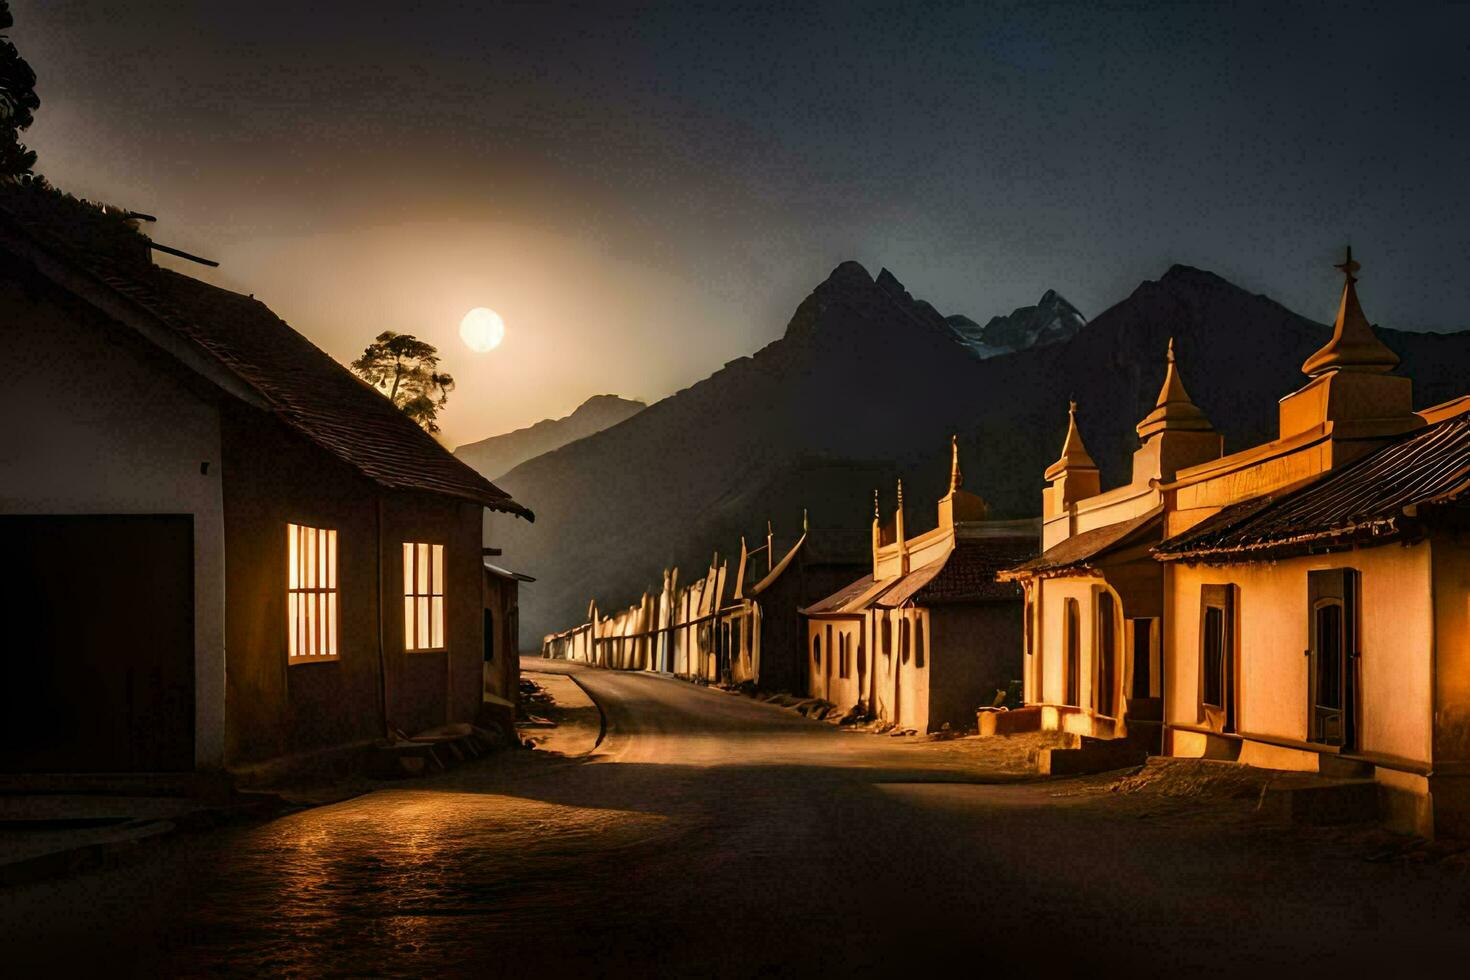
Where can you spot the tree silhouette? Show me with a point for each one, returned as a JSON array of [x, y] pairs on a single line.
[[18, 101], [406, 370]]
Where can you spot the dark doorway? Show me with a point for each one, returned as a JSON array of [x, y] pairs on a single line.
[[1217, 656], [1072, 628], [1107, 655], [97, 673], [1333, 649], [1143, 653]]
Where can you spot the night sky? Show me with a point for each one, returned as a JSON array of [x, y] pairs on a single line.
[[646, 194]]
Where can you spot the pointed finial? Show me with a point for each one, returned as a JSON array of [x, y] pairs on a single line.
[[900, 493], [956, 478], [877, 514], [1354, 345], [1173, 409], [804, 526], [1074, 454]]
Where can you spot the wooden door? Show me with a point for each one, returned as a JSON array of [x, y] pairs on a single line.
[[1332, 654], [97, 669]]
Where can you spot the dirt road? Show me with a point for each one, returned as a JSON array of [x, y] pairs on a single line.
[[713, 835]]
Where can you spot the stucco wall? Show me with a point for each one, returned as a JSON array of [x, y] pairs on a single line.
[[123, 431], [1451, 557], [1271, 613], [1049, 637], [976, 650]]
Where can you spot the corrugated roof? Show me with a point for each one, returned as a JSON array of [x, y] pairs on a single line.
[[1365, 500], [303, 386], [1082, 549]]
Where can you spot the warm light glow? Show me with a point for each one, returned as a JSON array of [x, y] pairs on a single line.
[[311, 594], [423, 596], [482, 329]]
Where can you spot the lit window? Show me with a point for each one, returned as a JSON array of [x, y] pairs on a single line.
[[423, 596], [311, 595]]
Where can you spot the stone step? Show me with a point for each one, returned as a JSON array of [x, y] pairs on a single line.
[[1093, 755], [1322, 801]]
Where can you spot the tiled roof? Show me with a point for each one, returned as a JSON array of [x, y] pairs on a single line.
[[966, 574], [1372, 499], [303, 386], [1082, 549], [969, 574]]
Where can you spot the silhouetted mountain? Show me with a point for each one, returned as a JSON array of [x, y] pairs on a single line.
[[866, 385], [503, 453], [1050, 321]]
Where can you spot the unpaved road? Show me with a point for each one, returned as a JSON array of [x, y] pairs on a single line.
[[712, 835]]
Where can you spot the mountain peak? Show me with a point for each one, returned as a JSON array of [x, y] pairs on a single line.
[[1051, 320], [849, 273]]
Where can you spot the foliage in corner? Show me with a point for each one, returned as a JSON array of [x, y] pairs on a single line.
[[406, 369], [18, 103]]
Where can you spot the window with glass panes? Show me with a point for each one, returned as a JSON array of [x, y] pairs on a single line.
[[423, 596], [311, 594]]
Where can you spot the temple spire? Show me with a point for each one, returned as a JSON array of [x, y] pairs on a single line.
[[1074, 454], [956, 478], [1174, 410], [1354, 346]]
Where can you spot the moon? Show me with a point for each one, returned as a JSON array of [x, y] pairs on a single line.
[[482, 329]]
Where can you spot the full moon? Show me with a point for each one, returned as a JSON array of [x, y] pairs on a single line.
[[482, 329]]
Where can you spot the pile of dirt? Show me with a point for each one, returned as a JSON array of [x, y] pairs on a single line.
[[1196, 779]]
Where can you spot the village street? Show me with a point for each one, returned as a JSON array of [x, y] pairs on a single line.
[[711, 834]]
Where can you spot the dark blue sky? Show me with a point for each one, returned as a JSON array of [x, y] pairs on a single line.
[[648, 192]]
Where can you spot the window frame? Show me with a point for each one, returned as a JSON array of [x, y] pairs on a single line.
[[1105, 654], [1071, 652], [1221, 598], [311, 552], [416, 602]]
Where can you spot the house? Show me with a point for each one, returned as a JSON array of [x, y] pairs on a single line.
[[1094, 596], [501, 627], [755, 637], [929, 634], [1317, 588], [223, 549], [768, 632]]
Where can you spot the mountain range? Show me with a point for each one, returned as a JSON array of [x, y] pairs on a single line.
[[500, 454], [866, 386], [1050, 321]]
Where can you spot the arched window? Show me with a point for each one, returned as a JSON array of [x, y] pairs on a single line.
[[886, 633], [919, 639], [817, 649], [903, 638]]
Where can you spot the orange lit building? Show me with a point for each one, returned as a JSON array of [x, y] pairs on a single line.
[[1317, 588], [929, 635]]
